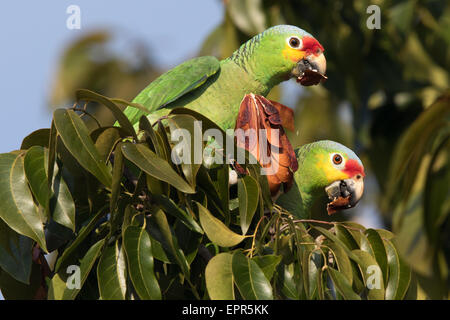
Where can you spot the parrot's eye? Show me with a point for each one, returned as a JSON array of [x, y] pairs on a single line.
[[337, 159], [295, 42]]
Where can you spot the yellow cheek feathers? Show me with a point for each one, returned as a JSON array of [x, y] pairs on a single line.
[[294, 55], [331, 173]]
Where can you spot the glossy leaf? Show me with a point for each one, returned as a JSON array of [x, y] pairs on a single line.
[[346, 237], [157, 167], [188, 131], [342, 260], [342, 285], [17, 207], [268, 264], [169, 241], [286, 282], [39, 137], [171, 208], [106, 142], [248, 193], [140, 263], [57, 201], [88, 95], [111, 273], [60, 290], [15, 253], [75, 137], [378, 249], [82, 234], [34, 165], [250, 279], [216, 230], [219, 277], [399, 274], [117, 173], [372, 275], [13, 289]]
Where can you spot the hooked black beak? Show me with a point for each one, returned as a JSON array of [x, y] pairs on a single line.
[[344, 194], [311, 69]]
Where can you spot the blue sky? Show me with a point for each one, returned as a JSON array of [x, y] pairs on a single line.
[[34, 34]]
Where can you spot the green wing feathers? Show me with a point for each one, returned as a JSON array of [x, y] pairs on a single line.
[[173, 84]]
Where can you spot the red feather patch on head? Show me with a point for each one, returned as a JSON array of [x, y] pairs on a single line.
[[352, 167], [312, 46]]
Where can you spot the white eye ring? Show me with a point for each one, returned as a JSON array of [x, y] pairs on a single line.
[[337, 160], [295, 42]]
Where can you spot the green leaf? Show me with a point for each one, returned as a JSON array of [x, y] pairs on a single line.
[[248, 193], [15, 253], [216, 230], [34, 166], [16, 290], [75, 137], [379, 252], [250, 279], [268, 264], [116, 178], [56, 201], [346, 237], [112, 273], [127, 103], [168, 240], [82, 234], [62, 205], [372, 275], [188, 241], [39, 137], [138, 249], [52, 150], [286, 281], [106, 142], [155, 139], [399, 274], [60, 290], [188, 129], [219, 277], [171, 208], [342, 260], [88, 95], [220, 178], [255, 172], [17, 207], [155, 166], [342, 284], [338, 241]]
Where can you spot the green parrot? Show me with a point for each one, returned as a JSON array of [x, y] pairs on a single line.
[[324, 168], [215, 88]]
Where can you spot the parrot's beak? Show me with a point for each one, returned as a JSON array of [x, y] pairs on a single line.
[[345, 194], [311, 69]]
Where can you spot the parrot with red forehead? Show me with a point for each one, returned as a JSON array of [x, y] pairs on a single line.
[[216, 88], [324, 168]]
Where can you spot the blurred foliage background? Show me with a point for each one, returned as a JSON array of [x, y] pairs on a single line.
[[387, 98]]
